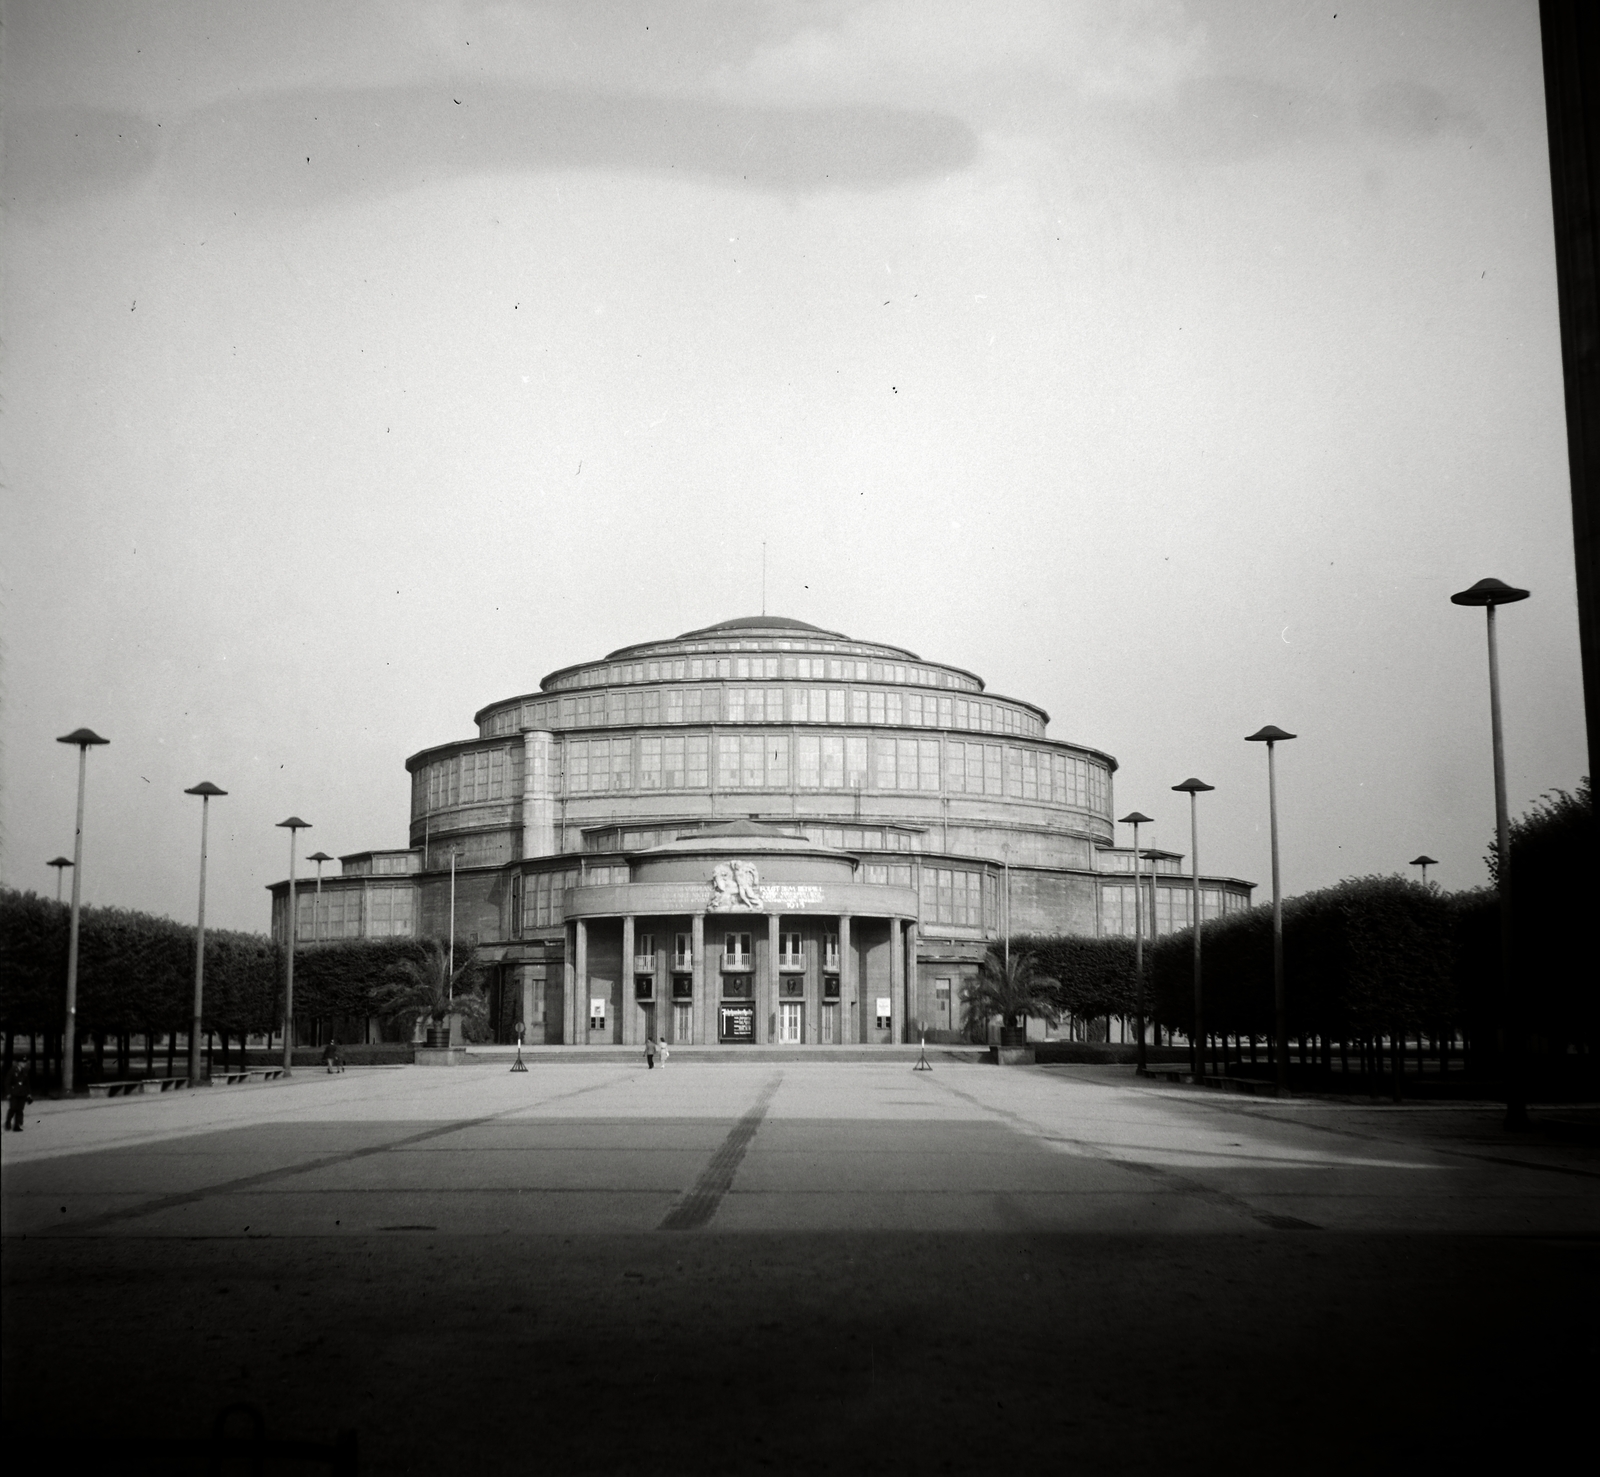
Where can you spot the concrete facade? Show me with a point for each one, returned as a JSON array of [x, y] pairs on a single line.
[[896, 817]]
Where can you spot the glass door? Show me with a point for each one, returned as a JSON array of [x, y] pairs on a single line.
[[682, 1022], [789, 1014]]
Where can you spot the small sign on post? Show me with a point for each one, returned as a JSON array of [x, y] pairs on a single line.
[[519, 1065]]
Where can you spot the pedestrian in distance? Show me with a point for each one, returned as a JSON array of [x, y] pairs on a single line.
[[330, 1057], [661, 1047], [17, 1097], [650, 1052]]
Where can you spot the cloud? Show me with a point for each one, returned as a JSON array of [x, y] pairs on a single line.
[[53, 155], [305, 147], [1410, 112], [1228, 118], [922, 49]]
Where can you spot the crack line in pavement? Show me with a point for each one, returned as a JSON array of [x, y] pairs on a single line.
[[267, 1176], [1178, 1182], [699, 1204]]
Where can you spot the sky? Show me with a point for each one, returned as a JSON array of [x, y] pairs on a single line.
[[1167, 364]]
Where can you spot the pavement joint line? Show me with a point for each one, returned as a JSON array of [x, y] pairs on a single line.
[[1182, 1184], [251, 1181], [1259, 1115], [699, 1204]]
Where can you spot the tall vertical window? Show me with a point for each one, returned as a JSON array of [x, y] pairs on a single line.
[[808, 761], [777, 750], [855, 762], [727, 762], [650, 763]]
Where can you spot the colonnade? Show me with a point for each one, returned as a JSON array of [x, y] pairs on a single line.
[[764, 999]]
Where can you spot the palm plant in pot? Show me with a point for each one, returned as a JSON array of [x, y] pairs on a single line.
[[431, 990], [1013, 989]]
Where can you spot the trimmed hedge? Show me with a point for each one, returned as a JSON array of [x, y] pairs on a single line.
[[136, 974], [1368, 956], [135, 971]]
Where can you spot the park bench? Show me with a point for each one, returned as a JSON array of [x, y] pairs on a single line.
[[229, 1079], [116, 1089], [265, 1074]]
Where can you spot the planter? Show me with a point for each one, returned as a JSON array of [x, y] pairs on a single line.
[[438, 1037], [1013, 1036]]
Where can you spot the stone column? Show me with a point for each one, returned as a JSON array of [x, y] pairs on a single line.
[[580, 966], [705, 1008], [897, 984], [632, 1030], [538, 793], [912, 990], [767, 987], [569, 986], [813, 1007], [848, 1013]]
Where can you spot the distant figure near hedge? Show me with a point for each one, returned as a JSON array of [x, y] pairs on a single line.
[[17, 1098]]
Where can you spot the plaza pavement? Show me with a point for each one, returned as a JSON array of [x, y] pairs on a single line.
[[732, 1265]]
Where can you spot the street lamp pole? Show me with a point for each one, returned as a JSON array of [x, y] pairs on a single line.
[[1193, 787], [1271, 736], [85, 739], [59, 863], [293, 824], [1490, 593], [1424, 861], [205, 790], [1135, 819]]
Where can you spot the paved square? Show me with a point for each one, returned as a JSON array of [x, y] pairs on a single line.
[[721, 1265]]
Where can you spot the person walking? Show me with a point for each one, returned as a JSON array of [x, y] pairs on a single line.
[[17, 1097], [650, 1052], [661, 1047], [330, 1055]]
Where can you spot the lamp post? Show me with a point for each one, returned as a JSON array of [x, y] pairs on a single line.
[[205, 790], [319, 857], [59, 862], [1135, 819], [1424, 861], [293, 824], [1193, 787], [1280, 1009], [85, 739], [1490, 593]]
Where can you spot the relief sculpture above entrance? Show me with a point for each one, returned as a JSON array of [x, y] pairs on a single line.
[[733, 888]]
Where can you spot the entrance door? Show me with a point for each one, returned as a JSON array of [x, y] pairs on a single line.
[[682, 1022], [941, 1004], [830, 1025], [789, 1013]]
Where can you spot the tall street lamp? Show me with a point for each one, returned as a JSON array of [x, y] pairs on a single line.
[[319, 857], [59, 862], [1280, 1009], [1490, 593], [85, 739], [1424, 861], [1135, 819], [1193, 787], [294, 823], [205, 790]]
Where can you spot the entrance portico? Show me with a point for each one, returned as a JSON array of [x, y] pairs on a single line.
[[739, 934]]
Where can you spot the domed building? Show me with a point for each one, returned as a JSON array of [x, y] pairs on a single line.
[[756, 832]]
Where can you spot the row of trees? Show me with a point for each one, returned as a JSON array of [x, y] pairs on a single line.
[[1369, 957], [136, 977]]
